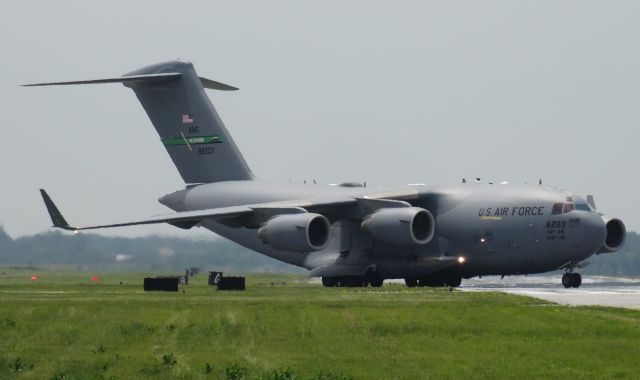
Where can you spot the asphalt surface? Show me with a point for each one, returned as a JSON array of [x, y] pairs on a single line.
[[595, 290]]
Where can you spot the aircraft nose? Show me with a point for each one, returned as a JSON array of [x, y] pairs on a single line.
[[594, 232]]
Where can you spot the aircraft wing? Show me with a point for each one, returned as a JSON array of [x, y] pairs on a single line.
[[245, 215]]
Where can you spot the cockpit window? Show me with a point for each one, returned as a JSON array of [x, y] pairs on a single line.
[[557, 209], [566, 207], [582, 207]]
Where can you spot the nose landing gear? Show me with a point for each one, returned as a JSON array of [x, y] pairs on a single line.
[[571, 280]]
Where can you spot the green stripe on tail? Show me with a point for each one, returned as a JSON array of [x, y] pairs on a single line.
[[191, 140]]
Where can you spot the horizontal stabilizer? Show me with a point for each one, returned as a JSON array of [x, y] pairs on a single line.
[[145, 78], [213, 85], [162, 77], [173, 96]]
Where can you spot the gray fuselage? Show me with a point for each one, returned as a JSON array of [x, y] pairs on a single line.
[[496, 228]]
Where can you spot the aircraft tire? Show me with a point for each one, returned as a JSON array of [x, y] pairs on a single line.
[[566, 280], [576, 280], [435, 282], [354, 282], [329, 282], [454, 281], [411, 282], [376, 282]]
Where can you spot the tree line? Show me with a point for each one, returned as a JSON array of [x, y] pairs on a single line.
[[162, 253], [149, 253]]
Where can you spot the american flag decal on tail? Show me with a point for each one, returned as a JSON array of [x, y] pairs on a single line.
[[187, 119]]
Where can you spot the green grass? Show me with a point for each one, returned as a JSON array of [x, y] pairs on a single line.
[[66, 326]]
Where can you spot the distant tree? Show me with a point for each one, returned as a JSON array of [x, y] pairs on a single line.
[[149, 253], [158, 253], [624, 262], [5, 242]]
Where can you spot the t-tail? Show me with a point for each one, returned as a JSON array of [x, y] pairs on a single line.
[[189, 127]]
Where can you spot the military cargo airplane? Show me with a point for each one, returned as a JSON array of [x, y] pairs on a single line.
[[348, 234]]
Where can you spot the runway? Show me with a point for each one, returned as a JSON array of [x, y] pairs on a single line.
[[595, 290]]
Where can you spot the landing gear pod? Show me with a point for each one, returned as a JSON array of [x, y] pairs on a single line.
[[296, 232], [616, 236], [400, 226]]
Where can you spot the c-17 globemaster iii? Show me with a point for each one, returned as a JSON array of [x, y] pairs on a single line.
[[348, 234]]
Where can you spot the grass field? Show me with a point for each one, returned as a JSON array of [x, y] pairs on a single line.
[[66, 326]]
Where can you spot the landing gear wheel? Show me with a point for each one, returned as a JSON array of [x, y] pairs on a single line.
[[376, 282], [576, 280], [454, 282], [329, 282], [433, 282], [354, 282], [411, 282], [571, 280], [373, 278]]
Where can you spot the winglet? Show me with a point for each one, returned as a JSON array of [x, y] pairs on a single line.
[[56, 217]]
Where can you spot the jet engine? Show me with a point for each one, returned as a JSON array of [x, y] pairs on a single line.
[[400, 226], [616, 236], [296, 232]]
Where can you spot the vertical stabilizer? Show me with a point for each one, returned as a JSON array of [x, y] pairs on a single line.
[[187, 123]]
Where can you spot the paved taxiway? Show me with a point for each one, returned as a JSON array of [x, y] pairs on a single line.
[[600, 291]]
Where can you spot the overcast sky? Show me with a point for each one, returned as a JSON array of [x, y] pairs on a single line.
[[390, 92]]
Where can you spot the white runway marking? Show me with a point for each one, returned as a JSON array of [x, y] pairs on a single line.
[[596, 291], [36, 291]]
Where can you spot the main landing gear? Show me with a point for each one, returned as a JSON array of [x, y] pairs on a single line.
[[452, 280], [571, 280], [372, 277], [353, 281]]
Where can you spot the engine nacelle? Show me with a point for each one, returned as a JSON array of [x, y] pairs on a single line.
[[616, 236], [296, 232], [400, 226]]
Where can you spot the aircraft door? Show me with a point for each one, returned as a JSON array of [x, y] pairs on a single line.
[[522, 243], [534, 233], [534, 246]]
